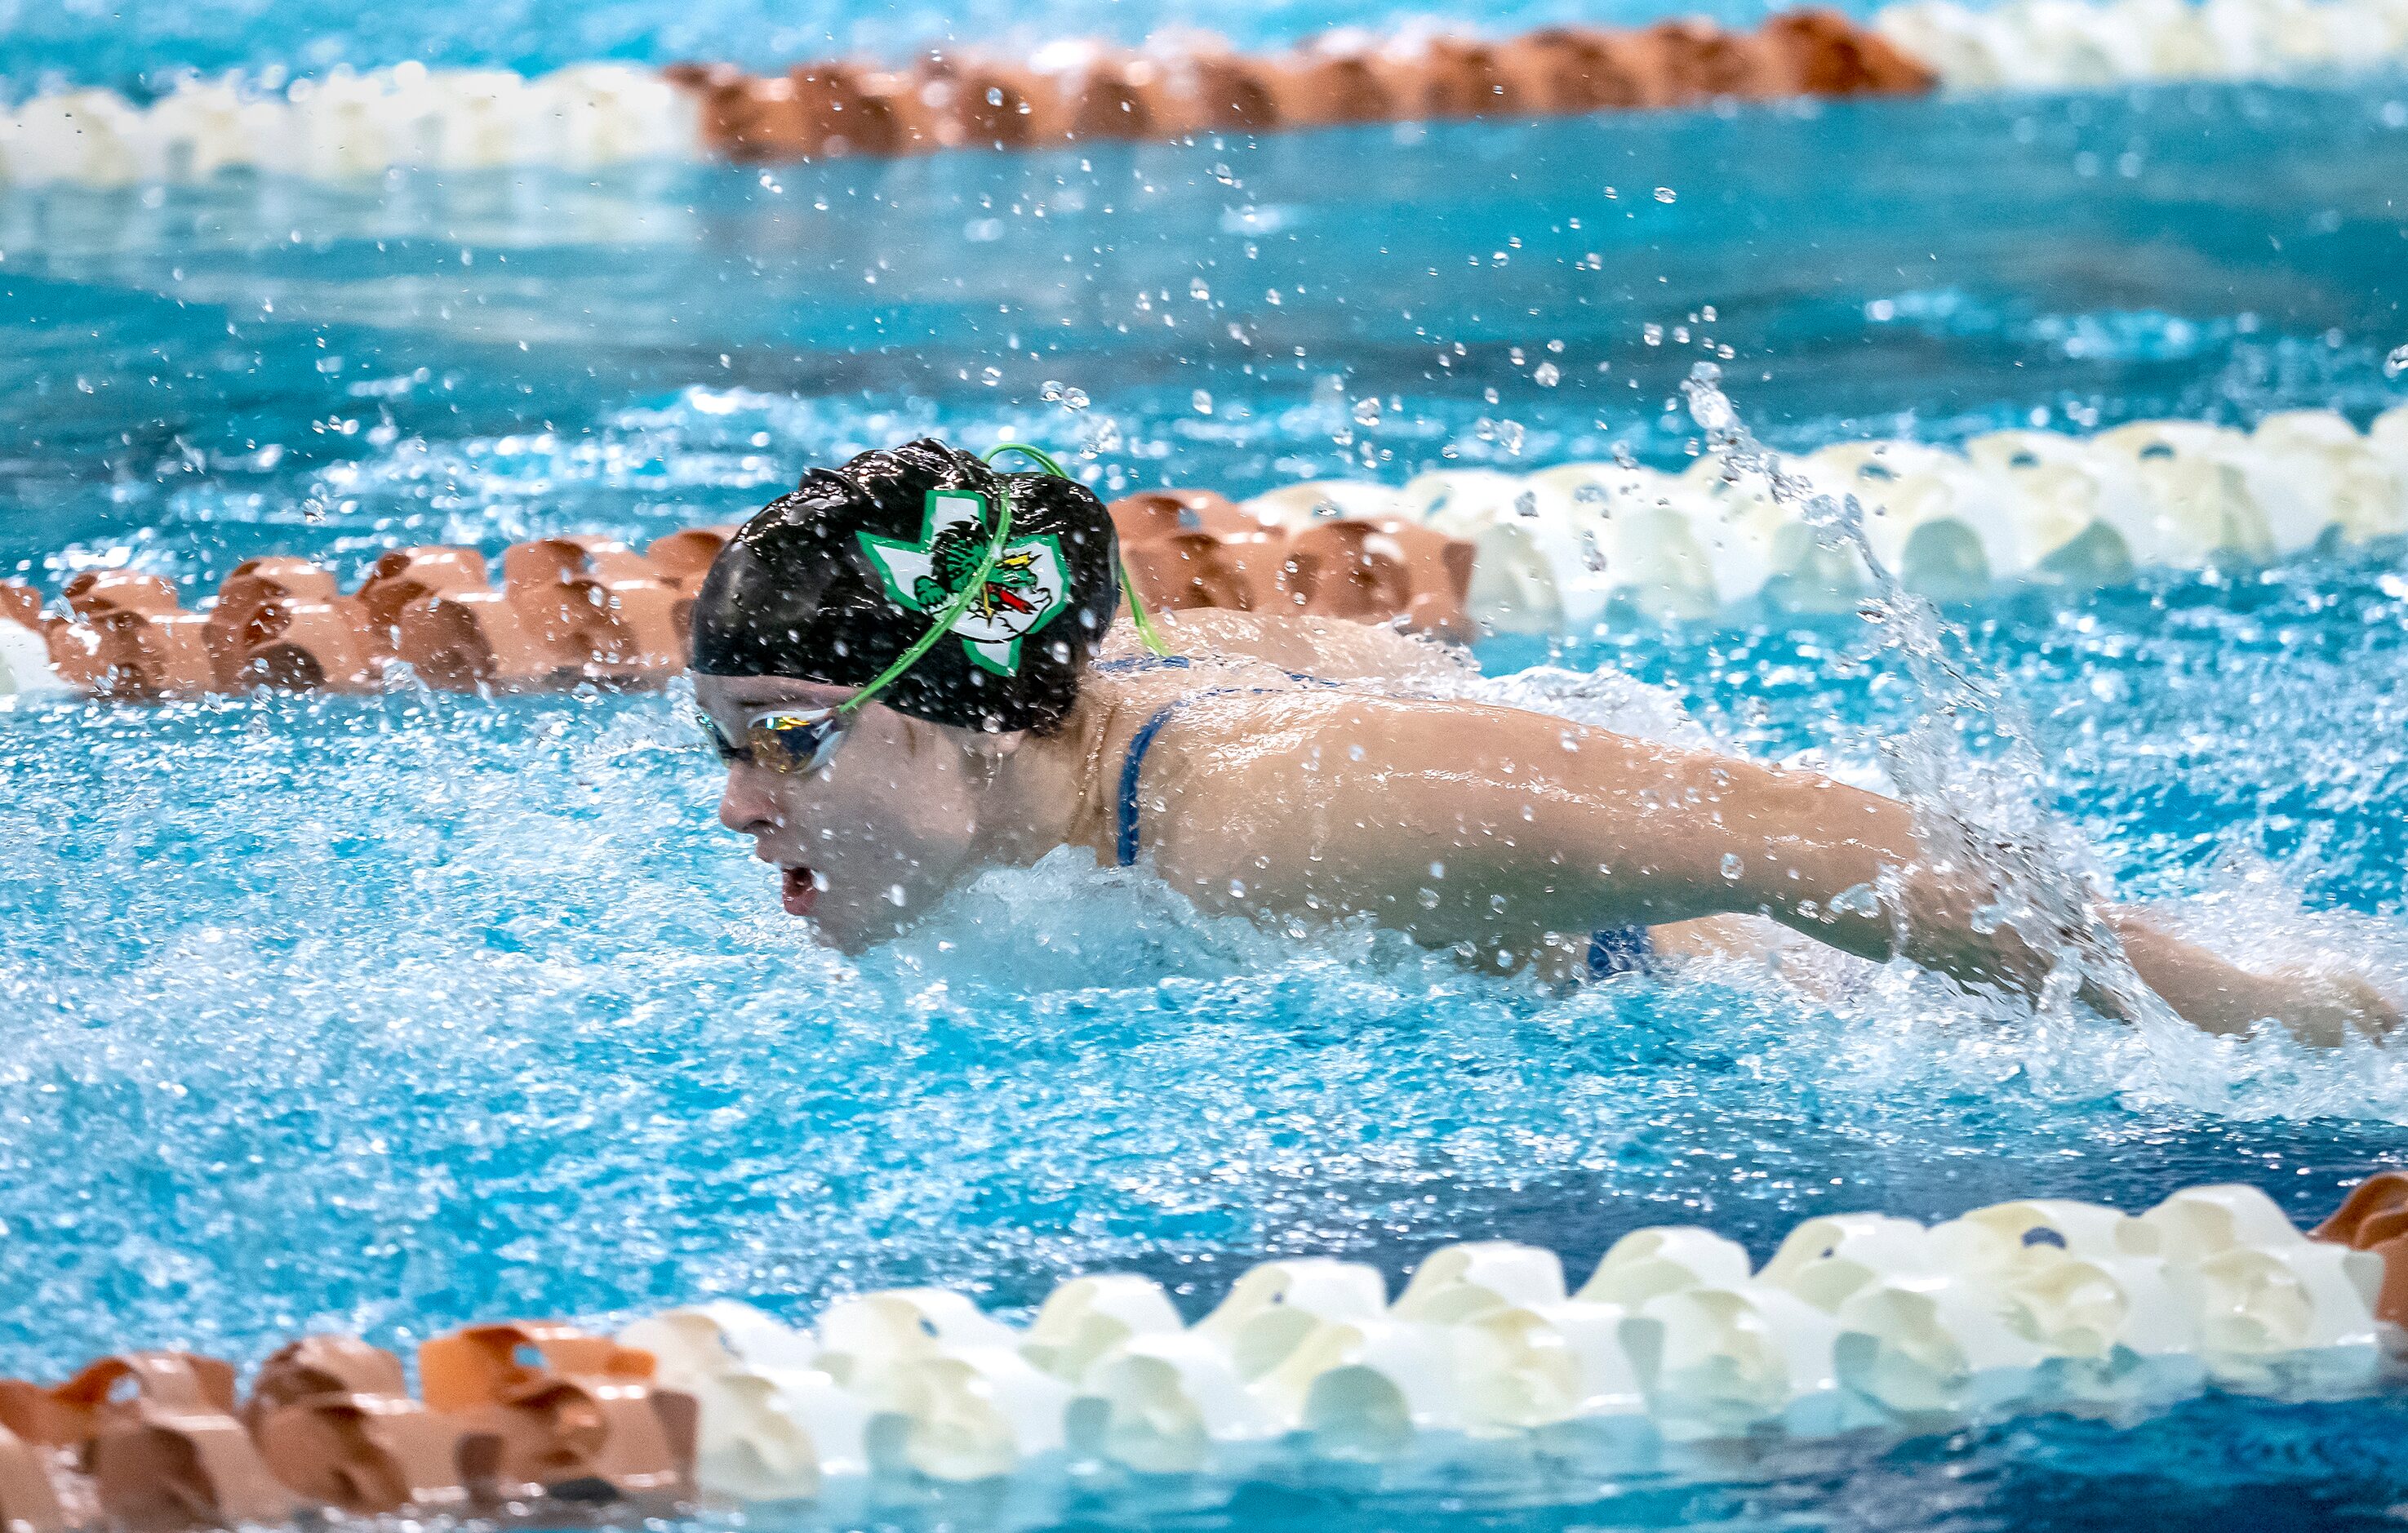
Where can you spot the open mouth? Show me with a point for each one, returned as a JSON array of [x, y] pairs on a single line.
[[798, 890]]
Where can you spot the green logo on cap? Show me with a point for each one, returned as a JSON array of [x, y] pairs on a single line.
[[1027, 588]]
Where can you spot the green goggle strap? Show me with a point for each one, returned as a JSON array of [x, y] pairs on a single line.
[[1128, 587]]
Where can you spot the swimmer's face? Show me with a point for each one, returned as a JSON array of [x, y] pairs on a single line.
[[867, 843]]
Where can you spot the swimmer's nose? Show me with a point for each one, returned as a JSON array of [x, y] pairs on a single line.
[[746, 807]]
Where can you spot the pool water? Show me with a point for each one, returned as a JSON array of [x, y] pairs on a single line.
[[191, 375], [386, 1013]]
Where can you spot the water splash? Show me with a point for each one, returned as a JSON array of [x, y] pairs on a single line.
[[1985, 819]]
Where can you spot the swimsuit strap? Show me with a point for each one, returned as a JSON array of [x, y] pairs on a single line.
[[1142, 662], [1124, 842], [1619, 950]]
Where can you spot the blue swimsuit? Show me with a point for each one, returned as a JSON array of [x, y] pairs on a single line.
[[1616, 950]]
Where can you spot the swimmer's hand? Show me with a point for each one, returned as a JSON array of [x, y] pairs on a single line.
[[2327, 1009], [2321, 1007]]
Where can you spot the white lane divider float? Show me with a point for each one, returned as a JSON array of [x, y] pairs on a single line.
[[348, 126], [1857, 1319], [26, 669], [2040, 45], [1559, 550]]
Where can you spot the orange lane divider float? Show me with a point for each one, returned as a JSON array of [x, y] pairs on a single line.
[[568, 610], [582, 610], [2374, 1217], [336, 1421], [1089, 91], [1193, 548], [516, 1419]]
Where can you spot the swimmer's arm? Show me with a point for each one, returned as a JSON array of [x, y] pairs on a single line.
[[1817, 866], [1466, 823], [1473, 826], [1463, 823]]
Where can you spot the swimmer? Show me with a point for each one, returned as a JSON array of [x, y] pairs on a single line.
[[912, 669]]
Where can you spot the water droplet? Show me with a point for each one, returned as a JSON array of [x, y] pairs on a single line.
[[2397, 363], [1857, 899], [1664, 193], [1200, 402], [1732, 866], [1197, 290], [1366, 410], [1546, 375]]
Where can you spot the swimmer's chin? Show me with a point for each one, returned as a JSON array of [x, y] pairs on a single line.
[[803, 894]]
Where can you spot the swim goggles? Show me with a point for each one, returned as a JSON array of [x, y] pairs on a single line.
[[804, 739], [780, 739]]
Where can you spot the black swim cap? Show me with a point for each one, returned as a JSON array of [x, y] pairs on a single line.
[[834, 582]]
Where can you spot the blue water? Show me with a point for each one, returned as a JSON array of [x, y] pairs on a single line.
[[387, 1013]]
